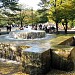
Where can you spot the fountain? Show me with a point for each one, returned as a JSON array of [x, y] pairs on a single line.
[[38, 56], [27, 33], [35, 45]]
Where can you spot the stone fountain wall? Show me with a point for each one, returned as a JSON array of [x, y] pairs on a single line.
[[39, 60], [36, 63], [11, 52], [62, 59], [33, 63], [32, 34], [63, 55]]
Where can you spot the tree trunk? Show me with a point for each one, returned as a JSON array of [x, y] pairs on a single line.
[[66, 26], [21, 24], [57, 27], [72, 24]]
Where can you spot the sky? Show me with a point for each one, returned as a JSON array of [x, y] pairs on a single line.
[[30, 3]]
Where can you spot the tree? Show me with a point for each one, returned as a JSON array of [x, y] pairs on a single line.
[[43, 12], [24, 16], [62, 9], [43, 15], [2, 20], [68, 7], [9, 4], [54, 12], [9, 8], [52, 5], [72, 13]]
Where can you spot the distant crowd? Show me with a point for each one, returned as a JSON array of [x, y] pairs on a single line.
[[47, 28], [8, 27]]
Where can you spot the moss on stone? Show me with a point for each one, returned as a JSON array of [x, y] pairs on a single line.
[[60, 39]]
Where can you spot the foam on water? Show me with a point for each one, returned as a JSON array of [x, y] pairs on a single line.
[[27, 33]]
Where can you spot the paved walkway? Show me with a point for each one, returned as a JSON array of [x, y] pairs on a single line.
[[68, 31], [4, 30], [12, 29]]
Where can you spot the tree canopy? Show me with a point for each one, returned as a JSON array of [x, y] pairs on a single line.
[[60, 9], [9, 4]]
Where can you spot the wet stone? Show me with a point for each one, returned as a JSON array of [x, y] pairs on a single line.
[[62, 58], [36, 63]]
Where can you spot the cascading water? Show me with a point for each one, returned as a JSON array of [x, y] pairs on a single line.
[[27, 33]]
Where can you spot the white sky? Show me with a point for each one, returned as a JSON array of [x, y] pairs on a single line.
[[31, 3]]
